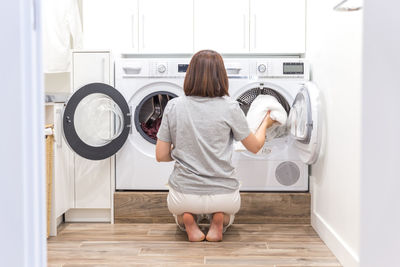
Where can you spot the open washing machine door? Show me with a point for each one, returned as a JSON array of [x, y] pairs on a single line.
[[304, 123], [96, 121]]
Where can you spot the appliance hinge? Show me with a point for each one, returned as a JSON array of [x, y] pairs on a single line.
[[130, 120]]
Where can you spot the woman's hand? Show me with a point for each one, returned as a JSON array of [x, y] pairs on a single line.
[[254, 142], [267, 122]]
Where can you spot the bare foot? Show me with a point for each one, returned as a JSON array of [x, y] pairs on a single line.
[[227, 219], [215, 232], [192, 229]]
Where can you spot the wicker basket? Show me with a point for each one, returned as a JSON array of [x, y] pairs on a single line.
[[49, 175]]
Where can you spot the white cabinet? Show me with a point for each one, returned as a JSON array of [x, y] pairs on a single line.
[[166, 26], [63, 181], [92, 178], [221, 25], [82, 189], [186, 26], [110, 25], [89, 67], [277, 26], [92, 183], [62, 191]]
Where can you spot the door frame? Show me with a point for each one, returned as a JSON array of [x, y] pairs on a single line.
[[22, 199]]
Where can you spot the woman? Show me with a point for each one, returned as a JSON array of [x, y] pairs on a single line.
[[197, 131]]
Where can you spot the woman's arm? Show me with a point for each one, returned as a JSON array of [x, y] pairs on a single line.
[[254, 142], [163, 151]]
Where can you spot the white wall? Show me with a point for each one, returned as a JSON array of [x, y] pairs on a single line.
[[57, 82], [22, 197], [380, 183], [334, 42]]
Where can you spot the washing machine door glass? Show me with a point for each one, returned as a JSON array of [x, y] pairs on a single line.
[[96, 121], [149, 112], [303, 123]]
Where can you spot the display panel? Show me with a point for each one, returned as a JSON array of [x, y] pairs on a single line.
[[182, 67], [293, 68]]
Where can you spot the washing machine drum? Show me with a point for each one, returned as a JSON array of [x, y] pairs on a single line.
[[149, 112], [248, 97]]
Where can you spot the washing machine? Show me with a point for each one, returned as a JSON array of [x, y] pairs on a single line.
[[283, 162], [100, 121], [142, 81]]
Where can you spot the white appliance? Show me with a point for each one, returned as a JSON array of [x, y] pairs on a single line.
[[140, 80], [282, 164], [100, 120]]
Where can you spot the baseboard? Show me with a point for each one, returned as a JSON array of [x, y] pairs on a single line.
[[342, 251], [151, 207], [60, 220], [88, 215]]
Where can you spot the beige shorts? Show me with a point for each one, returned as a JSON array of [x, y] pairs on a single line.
[[203, 205]]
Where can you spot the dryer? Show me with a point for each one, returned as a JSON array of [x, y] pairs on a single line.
[[283, 163]]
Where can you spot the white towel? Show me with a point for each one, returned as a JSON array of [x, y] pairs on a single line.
[[61, 25], [258, 109]]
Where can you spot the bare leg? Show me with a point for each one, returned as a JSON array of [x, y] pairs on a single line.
[[215, 232], [192, 229]]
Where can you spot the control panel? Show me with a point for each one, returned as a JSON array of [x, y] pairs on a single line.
[[153, 68], [282, 68], [168, 68], [255, 67]]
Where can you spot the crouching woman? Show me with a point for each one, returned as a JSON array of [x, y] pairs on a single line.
[[197, 131]]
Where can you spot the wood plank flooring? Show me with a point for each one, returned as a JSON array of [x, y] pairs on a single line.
[[274, 245], [151, 207]]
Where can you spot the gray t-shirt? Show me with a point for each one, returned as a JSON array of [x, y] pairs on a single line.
[[202, 130]]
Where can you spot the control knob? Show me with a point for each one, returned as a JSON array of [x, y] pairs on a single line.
[[262, 68], [161, 68]]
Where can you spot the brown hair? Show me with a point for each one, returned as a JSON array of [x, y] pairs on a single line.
[[206, 75]]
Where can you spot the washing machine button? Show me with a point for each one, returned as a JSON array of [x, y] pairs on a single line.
[[262, 68], [161, 68]]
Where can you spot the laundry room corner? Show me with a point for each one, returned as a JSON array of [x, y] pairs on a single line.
[[334, 48]]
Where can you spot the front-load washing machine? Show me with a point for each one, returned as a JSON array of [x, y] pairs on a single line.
[[100, 120], [283, 163]]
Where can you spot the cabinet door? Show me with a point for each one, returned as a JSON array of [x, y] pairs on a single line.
[[277, 26], [110, 25], [63, 168], [92, 183], [221, 25], [90, 67], [92, 178], [166, 26]]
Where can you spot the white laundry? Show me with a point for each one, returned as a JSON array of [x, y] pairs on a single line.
[[61, 21], [256, 114]]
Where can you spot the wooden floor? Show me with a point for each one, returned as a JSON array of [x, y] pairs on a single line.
[[276, 245]]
